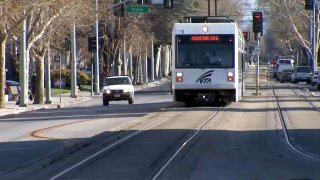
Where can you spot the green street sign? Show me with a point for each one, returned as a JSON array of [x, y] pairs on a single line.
[[137, 9]]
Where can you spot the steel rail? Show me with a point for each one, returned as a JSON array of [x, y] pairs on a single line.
[[305, 98], [158, 173], [117, 143], [285, 131]]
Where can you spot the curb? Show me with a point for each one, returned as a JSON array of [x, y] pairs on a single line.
[[42, 107]]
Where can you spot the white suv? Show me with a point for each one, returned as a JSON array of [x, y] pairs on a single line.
[[117, 88], [302, 74]]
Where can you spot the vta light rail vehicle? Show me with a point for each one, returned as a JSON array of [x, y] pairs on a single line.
[[208, 60]]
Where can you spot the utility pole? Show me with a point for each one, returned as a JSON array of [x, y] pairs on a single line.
[[152, 60], [209, 8], [216, 7], [48, 77], [124, 63], [145, 66], [73, 62], [257, 64], [315, 26], [97, 64], [23, 66], [313, 39]]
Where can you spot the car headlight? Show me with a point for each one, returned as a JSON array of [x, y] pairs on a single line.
[[107, 91]]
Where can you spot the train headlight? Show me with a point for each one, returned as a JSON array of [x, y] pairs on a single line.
[[230, 76], [205, 29], [179, 77]]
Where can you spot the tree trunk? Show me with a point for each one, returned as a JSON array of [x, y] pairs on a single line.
[[39, 97], [3, 39]]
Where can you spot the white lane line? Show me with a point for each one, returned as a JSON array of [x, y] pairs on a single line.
[[68, 117]]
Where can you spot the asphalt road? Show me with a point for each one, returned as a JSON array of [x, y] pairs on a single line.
[[32, 135], [245, 142]]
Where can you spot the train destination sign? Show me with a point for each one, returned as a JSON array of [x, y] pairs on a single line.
[[205, 38]]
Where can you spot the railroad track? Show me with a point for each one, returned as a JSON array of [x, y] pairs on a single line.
[[158, 169], [285, 130]]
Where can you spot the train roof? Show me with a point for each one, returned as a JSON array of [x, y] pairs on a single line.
[[207, 19]]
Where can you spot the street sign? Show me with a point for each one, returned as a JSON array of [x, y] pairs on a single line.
[[256, 50], [137, 9]]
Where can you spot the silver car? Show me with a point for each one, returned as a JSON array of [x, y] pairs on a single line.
[[302, 74]]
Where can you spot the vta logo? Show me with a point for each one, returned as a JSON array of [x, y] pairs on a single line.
[[205, 78]]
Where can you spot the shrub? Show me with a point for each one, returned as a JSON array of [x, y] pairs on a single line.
[[82, 78]]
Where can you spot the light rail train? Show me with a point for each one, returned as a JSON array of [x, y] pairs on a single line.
[[208, 60]]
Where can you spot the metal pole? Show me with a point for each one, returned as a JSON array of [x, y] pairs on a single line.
[[124, 71], [152, 60], [313, 49], [92, 74], [60, 82], [48, 78], [23, 66], [316, 36], [96, 78], [145, 66], [209, 7], [216, 7], [73, 62], [257, 65], [130, 64]]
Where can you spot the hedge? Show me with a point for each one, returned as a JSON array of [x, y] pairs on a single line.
[[82, 78]]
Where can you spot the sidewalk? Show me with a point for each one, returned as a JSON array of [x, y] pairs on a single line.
[[11, 108]]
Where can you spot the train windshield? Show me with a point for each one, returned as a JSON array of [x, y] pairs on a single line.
[[205, 51]]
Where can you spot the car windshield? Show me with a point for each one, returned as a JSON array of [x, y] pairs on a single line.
[[287, 70], [304, 69], [285, 61], [117, 81]]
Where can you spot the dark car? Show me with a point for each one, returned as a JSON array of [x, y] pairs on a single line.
[[285, 75]]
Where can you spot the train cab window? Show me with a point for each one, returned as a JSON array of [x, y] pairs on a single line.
[[205, 51]]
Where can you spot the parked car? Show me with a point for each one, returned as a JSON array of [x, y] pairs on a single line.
[[118, 88], [285, 61], [285, 75], [280, 68], [314, 77], [302, 74], [318, 82]]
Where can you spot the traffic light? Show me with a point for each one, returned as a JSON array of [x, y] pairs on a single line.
[[168, 4], [257, 22], [309, 4], [119, 11], [92, 44]]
